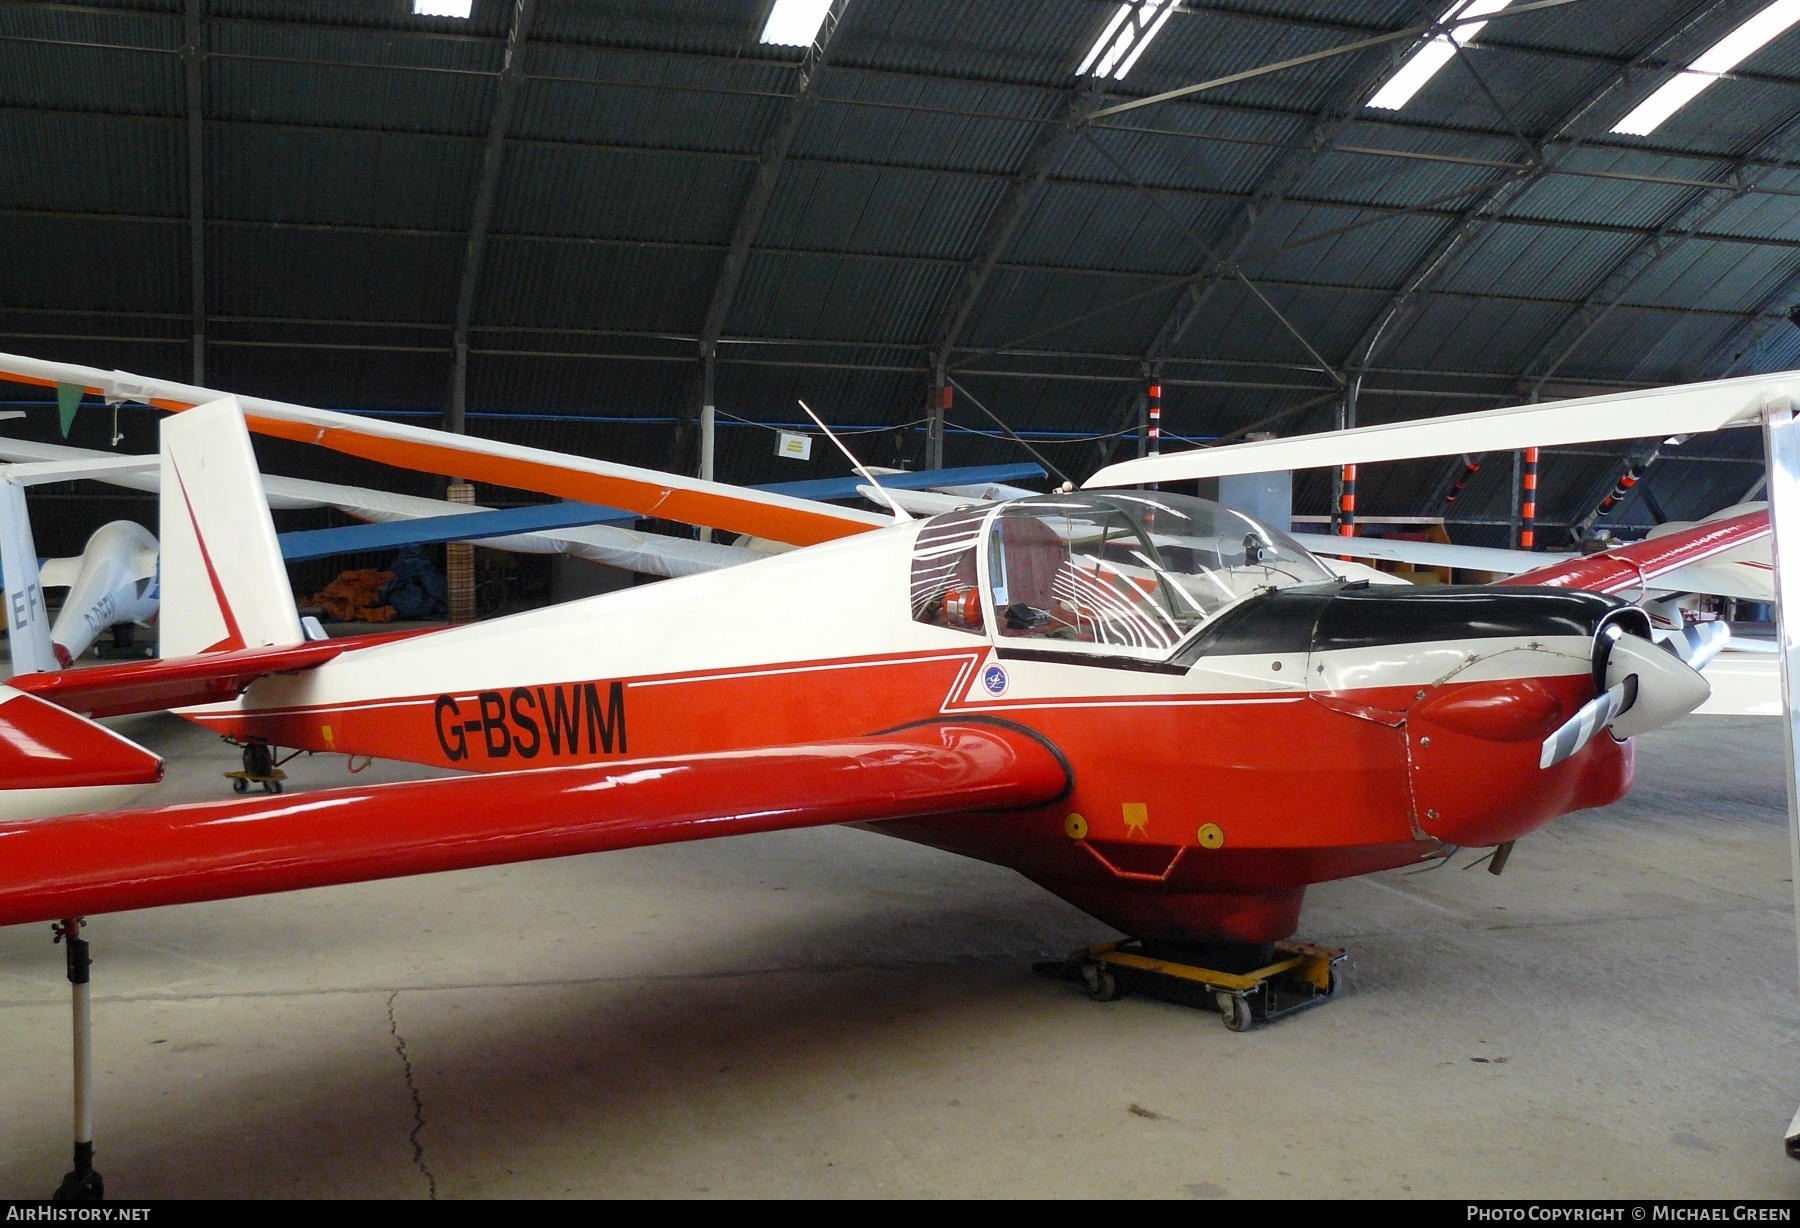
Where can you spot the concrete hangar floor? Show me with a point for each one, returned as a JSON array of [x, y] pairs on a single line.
[[832, 1013]]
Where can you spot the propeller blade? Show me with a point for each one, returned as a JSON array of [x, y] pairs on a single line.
[[1595, 715]]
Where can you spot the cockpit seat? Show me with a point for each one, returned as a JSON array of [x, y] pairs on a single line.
[[1033, 554]]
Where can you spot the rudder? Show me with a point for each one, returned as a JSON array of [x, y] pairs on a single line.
[[224, 585], [27, 622]]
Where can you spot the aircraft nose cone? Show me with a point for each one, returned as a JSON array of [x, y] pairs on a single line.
[[1667, 688], [62, 656]]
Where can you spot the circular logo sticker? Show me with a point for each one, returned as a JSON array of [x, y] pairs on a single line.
[[994, 679]]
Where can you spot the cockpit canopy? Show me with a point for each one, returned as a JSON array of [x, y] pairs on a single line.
[[1120, 570]]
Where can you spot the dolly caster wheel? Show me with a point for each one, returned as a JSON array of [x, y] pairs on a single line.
[[271, 786], [240, 785], [1235, 1011], [1102, 985]]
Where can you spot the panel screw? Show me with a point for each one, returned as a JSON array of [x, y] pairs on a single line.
[[1275, 665], [1424, 741], [1431, 814]]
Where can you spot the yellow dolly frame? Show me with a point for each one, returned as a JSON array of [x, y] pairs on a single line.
[[1302, 974]]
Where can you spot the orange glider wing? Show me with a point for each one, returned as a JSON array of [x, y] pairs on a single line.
[[649, 492]]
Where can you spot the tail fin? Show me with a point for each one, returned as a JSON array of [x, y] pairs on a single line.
[[27, 622], [224, 585]]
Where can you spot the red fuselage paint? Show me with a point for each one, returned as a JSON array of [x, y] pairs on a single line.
[[1304, 787]]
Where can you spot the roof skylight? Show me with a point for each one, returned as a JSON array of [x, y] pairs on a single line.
[[442, 8], [795, 23], [1125, 37], [1424, 63], [1721, 57]]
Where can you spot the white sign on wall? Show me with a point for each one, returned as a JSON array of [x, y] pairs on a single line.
[[799, 447]]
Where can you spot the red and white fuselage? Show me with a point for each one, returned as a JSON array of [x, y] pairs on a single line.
[[1301, 731]]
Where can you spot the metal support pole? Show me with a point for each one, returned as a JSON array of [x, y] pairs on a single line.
[[706, 418], [457, 420], [1528, 501], [708, 415], [936, 413], [192, 55], [82, 1184], [1343, 481], [1781, 442], [1517, 510], [512, 75], [1143, 424], [1337, 477]]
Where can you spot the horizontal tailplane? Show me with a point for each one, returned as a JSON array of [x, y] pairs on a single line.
[[53, 762]]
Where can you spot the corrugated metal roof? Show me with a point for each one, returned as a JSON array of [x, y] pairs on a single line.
[[836, 297], [591, 285], [68, 162], [919, 122], [897, 211], [314, 273], [614, 96], [617, 194], [343, 146]]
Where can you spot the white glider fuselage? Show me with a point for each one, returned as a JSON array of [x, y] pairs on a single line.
[[112, 582]]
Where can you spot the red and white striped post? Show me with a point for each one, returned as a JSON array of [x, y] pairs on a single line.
[[1528, 501], [1470, 469]]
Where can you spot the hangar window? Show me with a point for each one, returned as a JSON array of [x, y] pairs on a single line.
[[1743, 42], [795, 23], [1136, 572], [1124, 37], [1424, 63], [945, 592], [442, 8]]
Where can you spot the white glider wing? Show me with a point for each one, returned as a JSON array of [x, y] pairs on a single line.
[[652, 554], [1682, 409]]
